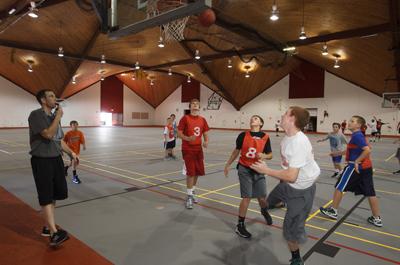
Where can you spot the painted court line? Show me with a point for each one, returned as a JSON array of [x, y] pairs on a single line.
[[236, 206]]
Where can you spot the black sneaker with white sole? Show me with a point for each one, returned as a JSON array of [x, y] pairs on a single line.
[[45, 231], [58, 238], [376, 221], [329, 211], [267, 216], [242, 231]]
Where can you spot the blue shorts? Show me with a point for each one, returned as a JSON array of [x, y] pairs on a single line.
[[336, 159], [358, 183]]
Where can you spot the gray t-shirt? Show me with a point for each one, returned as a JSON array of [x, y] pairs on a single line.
[[336, 141], [40, 146]]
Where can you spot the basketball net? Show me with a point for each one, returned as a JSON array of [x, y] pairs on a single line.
[[173, 30]]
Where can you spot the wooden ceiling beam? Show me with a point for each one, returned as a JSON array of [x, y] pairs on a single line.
[[346, 34], [395, 24], [213, 79]]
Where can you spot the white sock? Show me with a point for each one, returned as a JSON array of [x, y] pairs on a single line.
[[193, 189], [190, 192]]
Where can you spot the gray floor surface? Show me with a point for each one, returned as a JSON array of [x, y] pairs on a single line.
[[129, 207]]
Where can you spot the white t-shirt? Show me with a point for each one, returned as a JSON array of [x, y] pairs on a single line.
[[296, 151], [372, 125], [166, 132]]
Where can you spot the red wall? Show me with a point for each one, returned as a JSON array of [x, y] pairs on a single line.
[[307, 81], [190, 90], [112, 95]]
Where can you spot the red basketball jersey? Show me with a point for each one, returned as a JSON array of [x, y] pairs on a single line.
[[192, 125], [250, 148]]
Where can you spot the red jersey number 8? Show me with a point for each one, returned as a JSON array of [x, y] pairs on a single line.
[[251, 153], [196, 131]]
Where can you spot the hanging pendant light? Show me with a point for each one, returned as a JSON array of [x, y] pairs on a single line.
[[274, 12]]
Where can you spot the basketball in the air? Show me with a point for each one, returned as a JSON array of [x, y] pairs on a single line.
[[207, 18]]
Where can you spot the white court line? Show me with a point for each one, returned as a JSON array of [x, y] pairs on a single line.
[[4, 151], [390, 157]]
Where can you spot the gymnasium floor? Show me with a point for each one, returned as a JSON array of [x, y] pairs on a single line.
[[130, 205]]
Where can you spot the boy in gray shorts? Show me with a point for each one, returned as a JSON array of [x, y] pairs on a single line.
[[298, 176], [251, 145]]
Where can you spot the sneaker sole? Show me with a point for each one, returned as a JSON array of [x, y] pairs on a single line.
[[377, 225], [45, 235], [59, 243]]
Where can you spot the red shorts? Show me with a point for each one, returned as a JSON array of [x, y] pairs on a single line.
[[194, 162]]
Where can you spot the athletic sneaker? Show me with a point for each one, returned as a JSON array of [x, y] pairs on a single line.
[[297, 261], [45, 231], [195, 199], [76, 180], [267, 217], [58, 237], [242, 231], [189, 202], [329, 211], [335, 175], [397, 172], [376, 221]]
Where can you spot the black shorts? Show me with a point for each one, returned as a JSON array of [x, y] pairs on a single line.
[[373, 133], [359, 183], [170, 144], [49, 178]]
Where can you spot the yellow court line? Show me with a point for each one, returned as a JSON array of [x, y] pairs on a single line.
[[216, 191], [390, 157], [317, 211], [388, 192], [238, 198], [236, 206]]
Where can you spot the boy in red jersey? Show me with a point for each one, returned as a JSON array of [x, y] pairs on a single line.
[[357, 175], [191, 129], [169, 140], [252, 146]]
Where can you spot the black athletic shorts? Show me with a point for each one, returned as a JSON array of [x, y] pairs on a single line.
[[50, 181], [170, 144], [358, 183]]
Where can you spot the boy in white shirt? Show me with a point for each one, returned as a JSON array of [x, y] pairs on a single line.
[[169, 140], [298, 176]]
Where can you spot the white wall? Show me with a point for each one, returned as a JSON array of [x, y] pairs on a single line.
[[342, 100], [134, 103], [15, 105], [83, 107]]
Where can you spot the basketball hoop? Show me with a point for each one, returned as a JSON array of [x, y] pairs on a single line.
[[172, 31]]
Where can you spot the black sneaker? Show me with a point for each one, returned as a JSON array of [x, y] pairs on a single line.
[[242, 231], [329, 211], [396, 172], [58, 237], [335, 175], [297, 261], [45, 231], [267, 216]]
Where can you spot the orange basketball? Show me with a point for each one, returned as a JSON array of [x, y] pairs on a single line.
[[207, 17]]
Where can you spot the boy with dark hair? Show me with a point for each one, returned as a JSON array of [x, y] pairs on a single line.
[[298, 177], [47, 144], [357, 175], [191, 129], [336, 142], [74, 139], [252, 146]]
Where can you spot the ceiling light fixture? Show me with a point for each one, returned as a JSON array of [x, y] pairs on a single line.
[[33, 10], [188, 79], [102, 78], [12, 11], [103, 59], [229, 63], [302, 35], [197, 55], [161, 42], [151, 82], [289, 49], [337, 57], [247, 67], [169, 71], [133, 76], [137, 66], [60, 52], [274, 12], [325, 50], [74, 80], [30, 68]]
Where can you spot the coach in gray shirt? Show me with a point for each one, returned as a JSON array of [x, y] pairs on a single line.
[[46, 141]]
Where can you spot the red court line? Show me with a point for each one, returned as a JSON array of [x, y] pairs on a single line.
[[256, 221]]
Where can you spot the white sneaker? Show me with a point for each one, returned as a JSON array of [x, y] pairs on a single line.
[[189, 202]]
